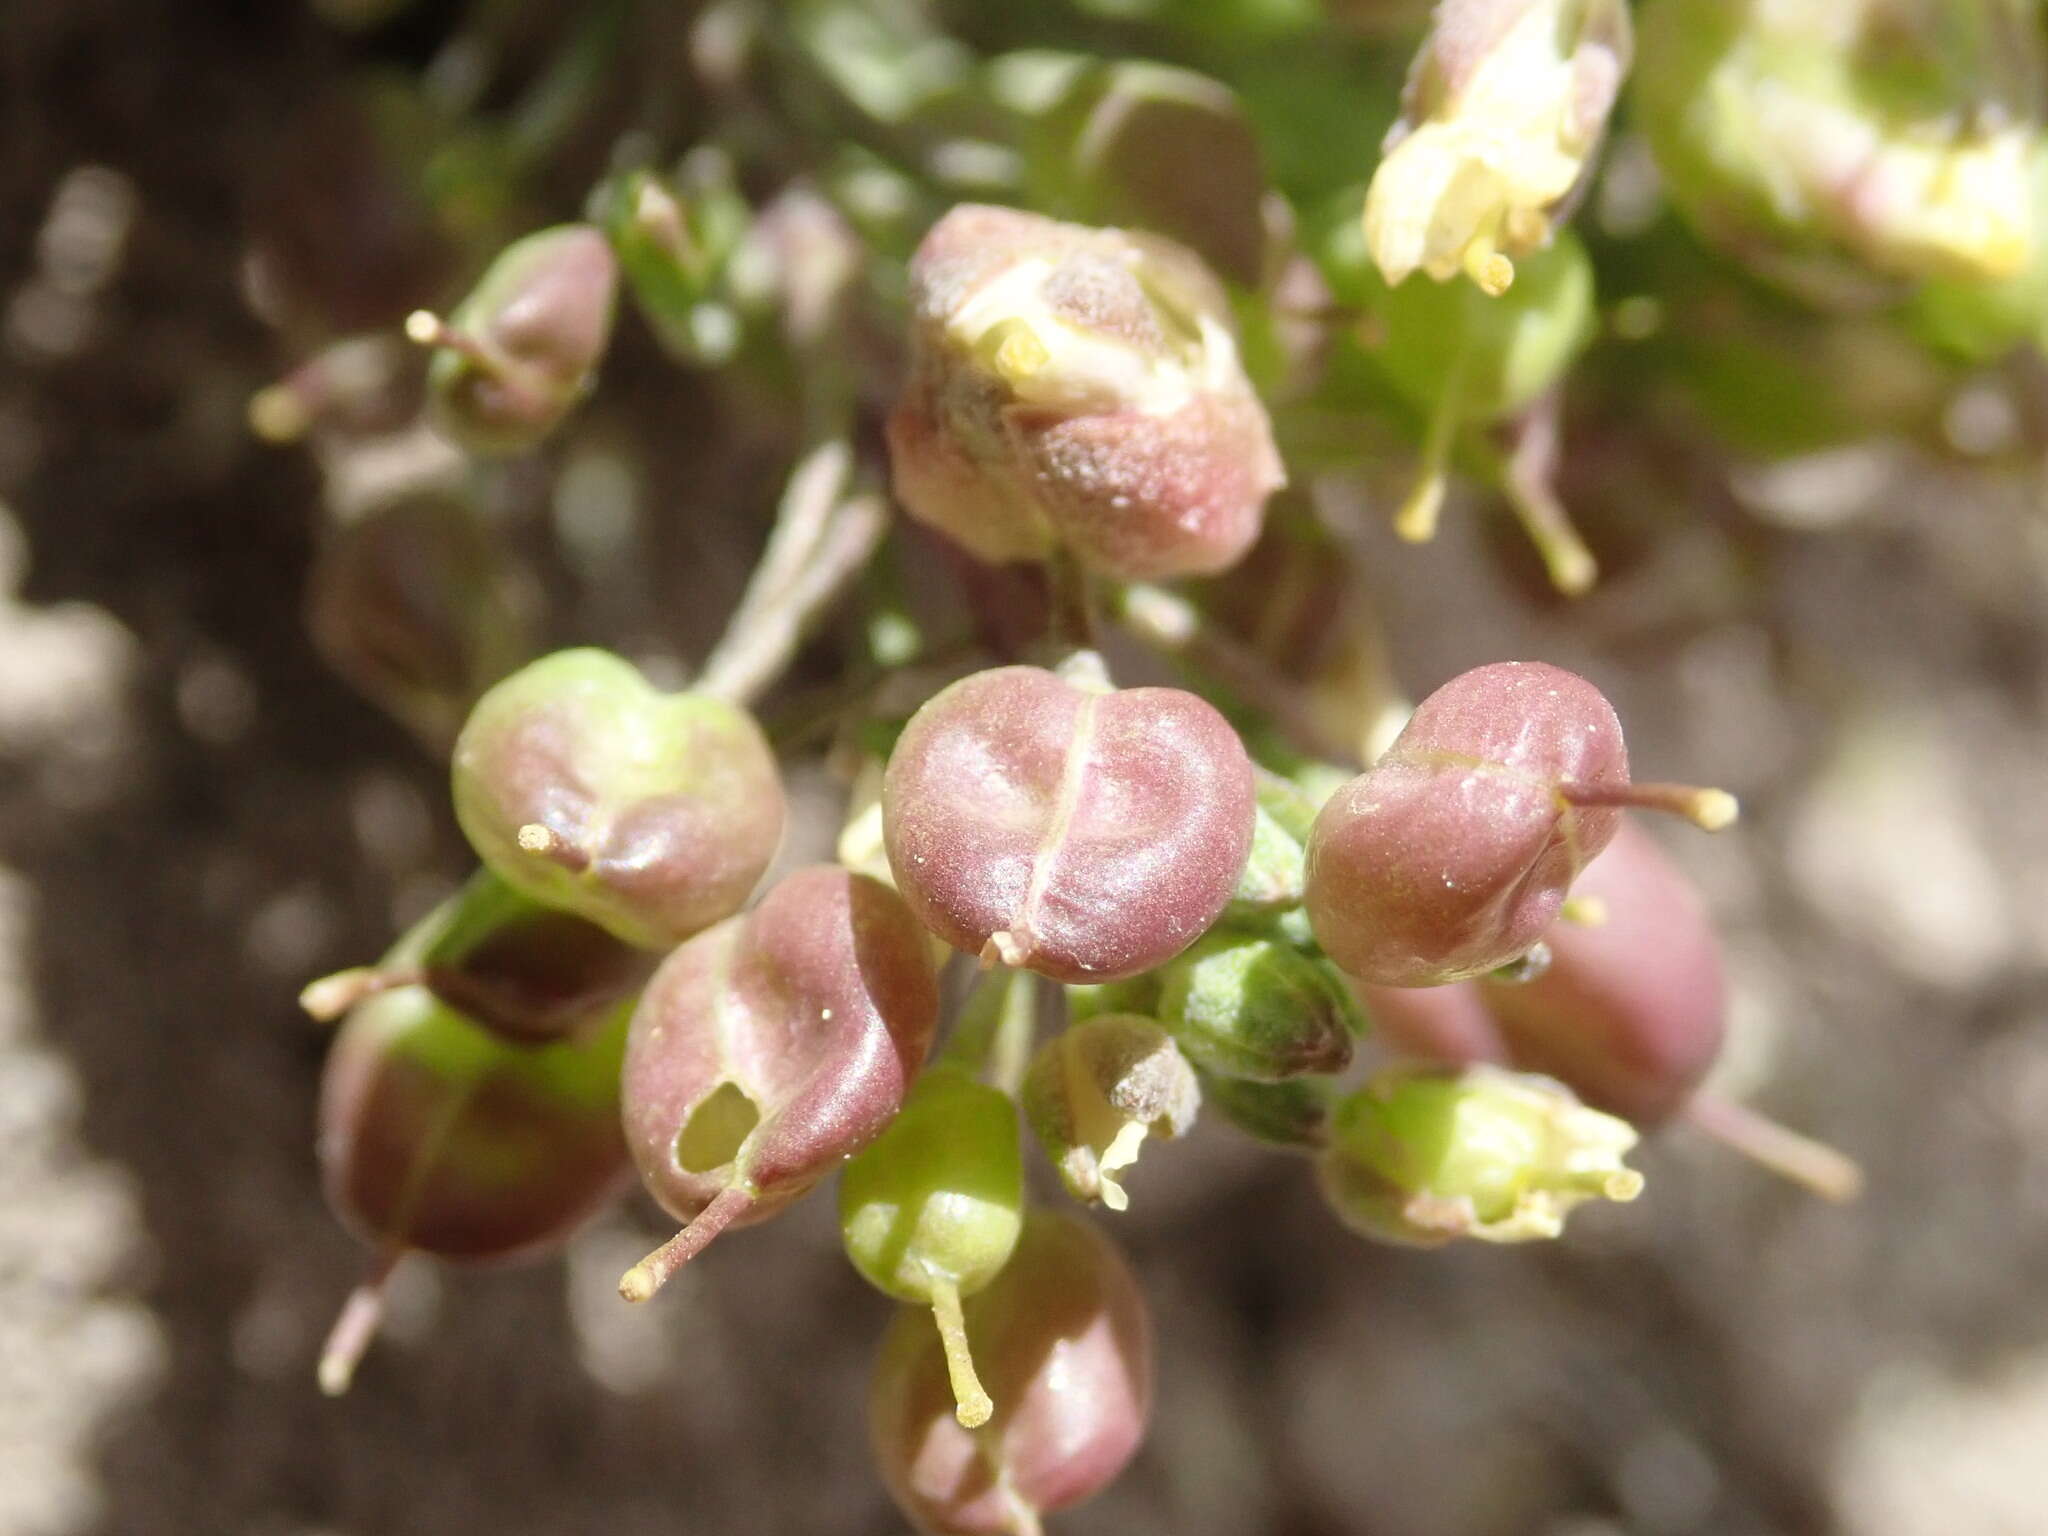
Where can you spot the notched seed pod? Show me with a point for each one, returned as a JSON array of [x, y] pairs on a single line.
[[438, 1136], [501, 959], [931, 1212], [1084, 834], [1452, 854], [583, 786], [1245, 1006], [1097, 1091], [521, 350], [768, 1050], [1065, 1347], [1293, 1115], [1504, 108], [1077, 386], [1423, 1156]]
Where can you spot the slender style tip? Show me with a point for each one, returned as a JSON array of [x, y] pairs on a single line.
[[277, 415], [639, 1283], [975, 1411], [535, 838], [1715, 809], [1416, 521], [424, 328]]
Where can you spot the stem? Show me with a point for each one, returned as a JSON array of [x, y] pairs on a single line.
[[1168, 623], [1528, 482], [1416, 521], [356, 1325], [1814, 1165], [659, 1267], [1016, 1032], [1070, 594], [972, 1405], [1708, 809]]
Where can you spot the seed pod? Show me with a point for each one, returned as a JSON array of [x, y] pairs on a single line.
[[1424, 1155], [1632, 1011], [651, 814], [1293, 1115], [439, 1136], [1453, 853], [770, 1049], [930, 1213], [1077, 386], [1505, 105], [1066, 1349], [1097, 1091], [514, 967], [1245, 1006], [1084, 834], [520, 351]]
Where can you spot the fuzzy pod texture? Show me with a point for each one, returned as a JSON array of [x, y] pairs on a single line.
[[440, 1136], [1247, 1006], [1064, 1344], [535, 328], [650, 814], [1098, 1091], [1452, 854], [1082, 834], [1077, 386], [769, 1049], [1632, 1012]]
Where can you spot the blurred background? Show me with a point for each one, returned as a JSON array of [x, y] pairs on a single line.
[[1824, 546]]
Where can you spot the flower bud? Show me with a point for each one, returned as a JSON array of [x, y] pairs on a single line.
[[768, 1050], [520, 351], [1423, 1156], [1245, 1006], [1504, 107], [1077, 386], [931, 1211], [674, 241], [1293, 1115], [508, 964], [1895, 133], [1065, 1347], [439, 1136], [650, 814], [1098, 1090], [1452, 854], [1084, 834]]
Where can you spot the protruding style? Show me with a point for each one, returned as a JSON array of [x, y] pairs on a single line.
[[1097, 1092]]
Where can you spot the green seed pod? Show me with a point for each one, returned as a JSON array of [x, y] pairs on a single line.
[[1097, 1091], [1242, 1005], [437, 1135], [1423, 1155], [583, 786], [1271, 881], [509, 964], [521, 350], [1293, 1115], [674, 241], [931, 1211]]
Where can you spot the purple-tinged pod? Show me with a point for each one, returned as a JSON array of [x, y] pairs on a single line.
[[1065, 1347], [653, 815], [768, 1050], [1452, 854], [522, 349], [1082, 833], [440, 1137], [1632, 1011], [1082, 387], [519, 969]]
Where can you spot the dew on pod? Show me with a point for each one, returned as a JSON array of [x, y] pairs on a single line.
[[441, 1137], [1065, 1348], [503, 960], [1248, 1006], [651, 814], [1097, 1091], [521, 350], [1423, 1155], [1452, 854], [768, 1050], [931, 1211], [1081, 832], [1078, 387]]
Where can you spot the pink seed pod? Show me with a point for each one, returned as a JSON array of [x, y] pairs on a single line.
[[1449, 1024], [1078, 386], [1083, 833], [1065, 1348], [1452, 854], [768, 1050], [1632, 1011]]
